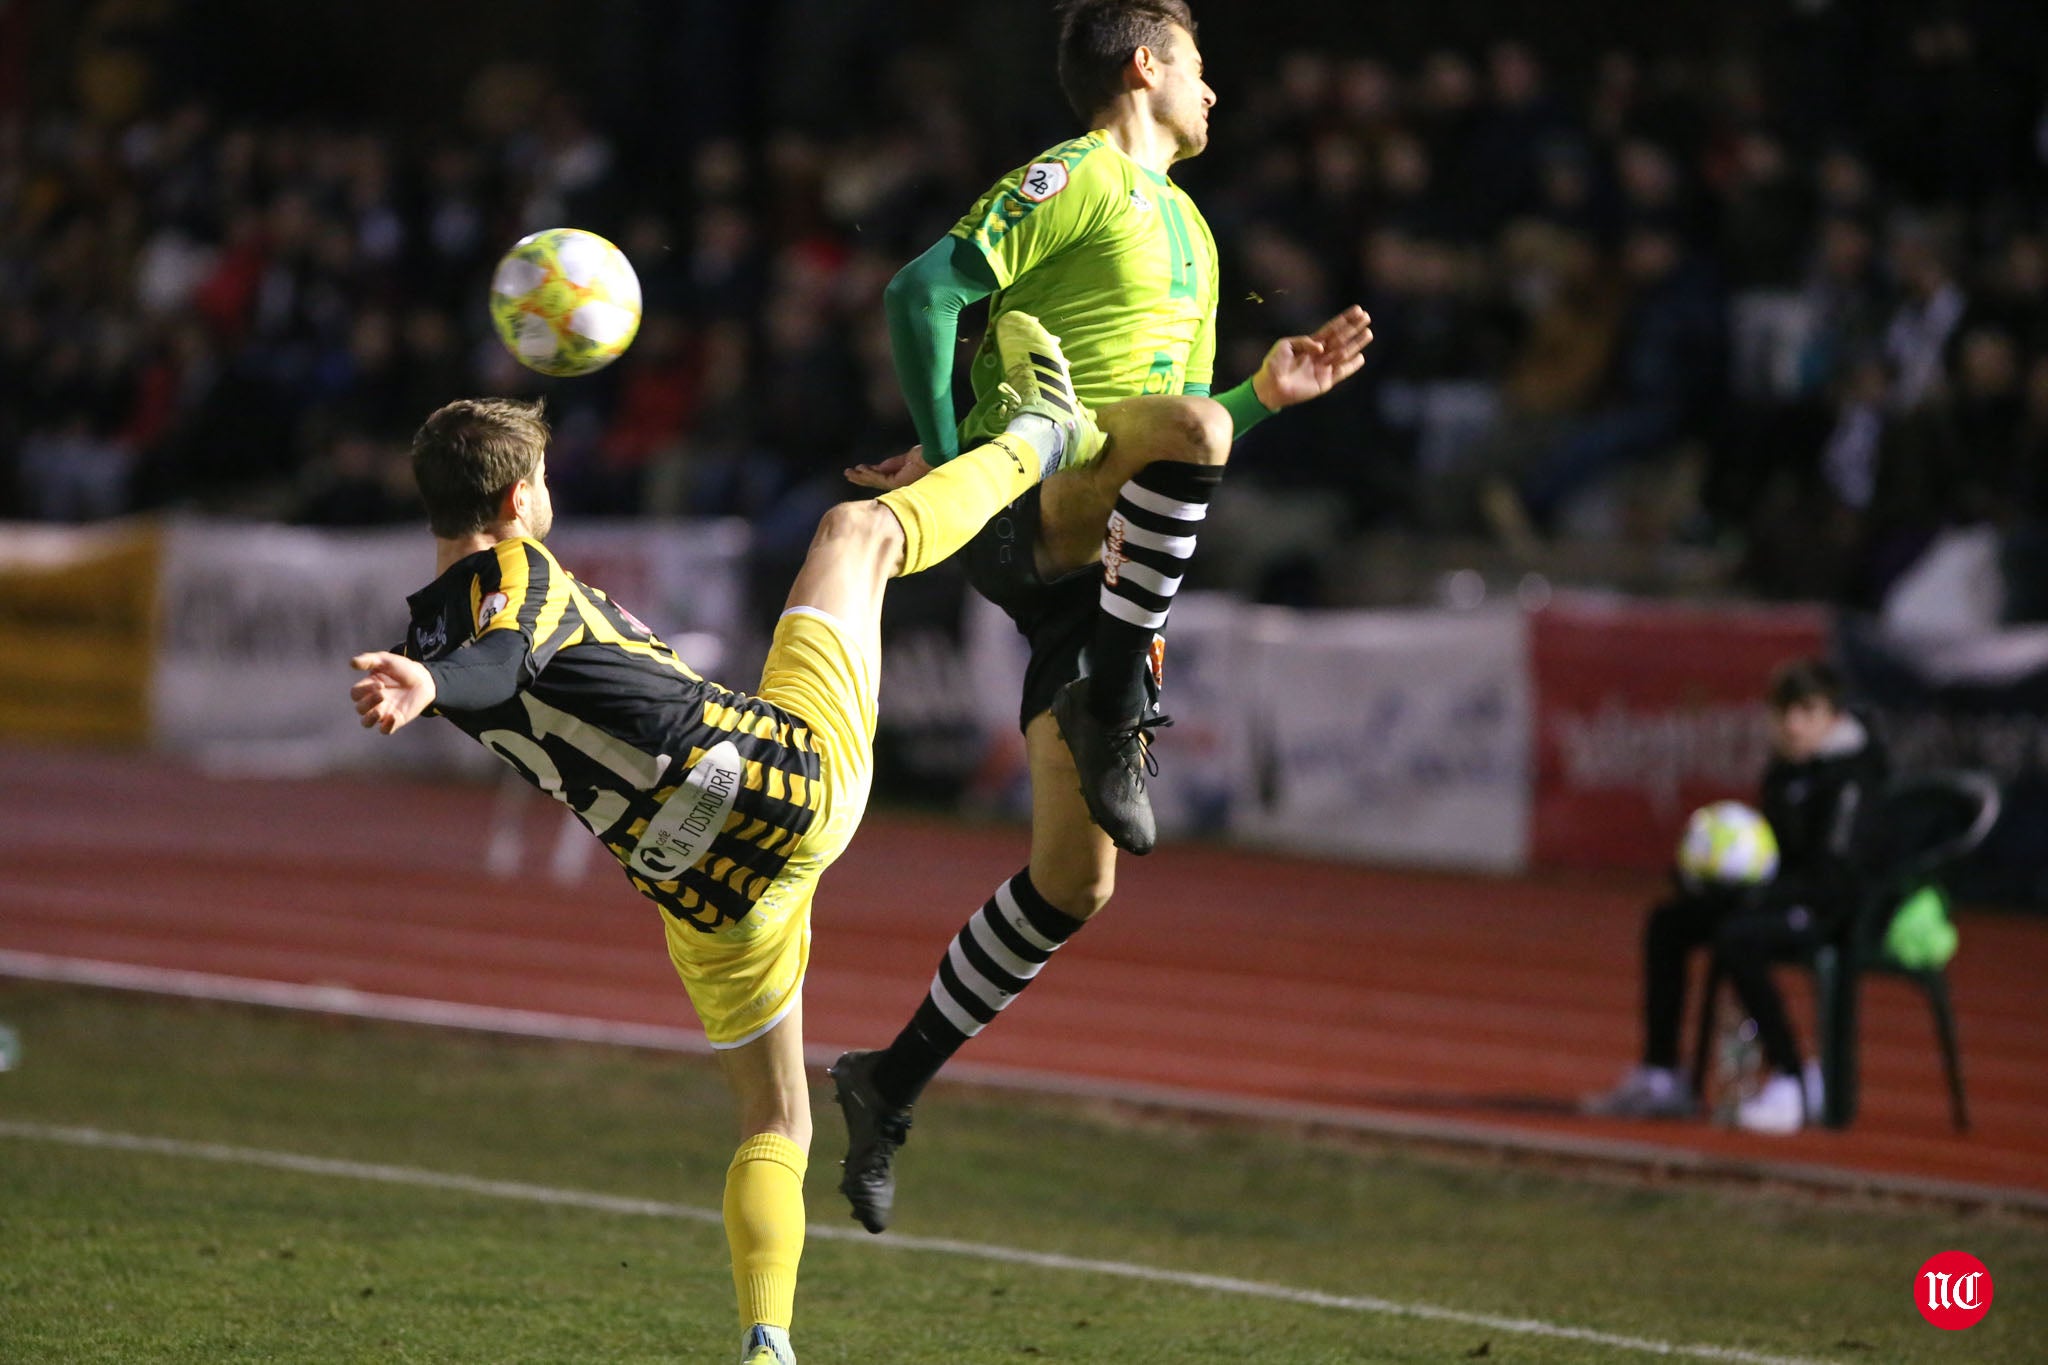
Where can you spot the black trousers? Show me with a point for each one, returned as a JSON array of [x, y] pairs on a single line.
[[1748, 935]]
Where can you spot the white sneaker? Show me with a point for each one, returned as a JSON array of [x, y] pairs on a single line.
[[1646, 1092], [767, 1345], [1779, 1106]]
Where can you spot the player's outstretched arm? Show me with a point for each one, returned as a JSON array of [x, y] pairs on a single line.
[[1300, 368], [923, 304], [394, 692]]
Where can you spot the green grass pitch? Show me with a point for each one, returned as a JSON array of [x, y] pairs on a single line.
[[115, 1254]]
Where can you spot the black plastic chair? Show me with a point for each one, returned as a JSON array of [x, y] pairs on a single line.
[[1917, 830]]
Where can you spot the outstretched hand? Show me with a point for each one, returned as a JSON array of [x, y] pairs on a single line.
[[394, 694], [1300, 368], [894, 472]]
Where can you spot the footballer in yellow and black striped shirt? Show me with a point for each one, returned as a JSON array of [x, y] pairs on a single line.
[[723, 807]]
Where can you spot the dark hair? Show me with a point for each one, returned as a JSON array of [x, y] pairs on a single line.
[[1097, 38], [1805, 680], [468, 453]]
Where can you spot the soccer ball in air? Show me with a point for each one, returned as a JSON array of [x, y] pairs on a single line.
[[565, 301], [1727, 844]]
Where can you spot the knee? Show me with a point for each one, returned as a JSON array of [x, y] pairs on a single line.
[[1743, 952], [864, 527], [1182, 429], [1204, 430]]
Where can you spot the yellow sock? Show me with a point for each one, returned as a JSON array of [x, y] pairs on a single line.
[[942, 511], [764, 1223]]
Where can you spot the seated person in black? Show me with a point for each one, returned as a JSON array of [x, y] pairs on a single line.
[[1827, 765]]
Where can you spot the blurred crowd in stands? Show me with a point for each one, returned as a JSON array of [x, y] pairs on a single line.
[[1789, 301]]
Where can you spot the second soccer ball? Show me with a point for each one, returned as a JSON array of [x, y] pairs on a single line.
[[1730, 844]]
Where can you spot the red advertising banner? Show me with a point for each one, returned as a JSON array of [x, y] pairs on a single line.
[[1646, 711]]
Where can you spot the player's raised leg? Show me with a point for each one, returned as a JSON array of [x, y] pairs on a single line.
[[1151, 491], [859, 546], [1138, 432]]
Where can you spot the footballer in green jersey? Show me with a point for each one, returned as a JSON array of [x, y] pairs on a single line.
[[1114, 259], [1094, 238]]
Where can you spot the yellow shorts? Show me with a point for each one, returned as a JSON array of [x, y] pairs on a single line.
[[746, 977]]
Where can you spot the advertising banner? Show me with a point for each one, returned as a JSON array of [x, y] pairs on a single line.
[[932, 732], [1392, 735], [1399, 736], [259, 622], [77, 616], [1202, 786], [1646, 711]]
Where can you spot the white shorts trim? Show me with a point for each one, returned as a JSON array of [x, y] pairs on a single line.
[[870, 686], [780, 1015], [823, 615]]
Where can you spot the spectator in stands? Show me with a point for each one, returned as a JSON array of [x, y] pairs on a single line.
[[1765, 214], [1668, 373], [2026, 545], [1916, 342], [1826, 764], [237, 288], [1845, 302], [357, 481]]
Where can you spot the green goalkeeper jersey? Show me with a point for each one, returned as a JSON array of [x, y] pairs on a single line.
[[1113, 258]]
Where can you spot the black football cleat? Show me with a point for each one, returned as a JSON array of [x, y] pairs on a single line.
[[1114, 760], [874, 1131]]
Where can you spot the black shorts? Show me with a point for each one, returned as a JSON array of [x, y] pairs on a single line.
[[1056, 616]]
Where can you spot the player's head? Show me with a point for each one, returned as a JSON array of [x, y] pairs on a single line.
[[482, 462], [1110, 49], [1806, 700]]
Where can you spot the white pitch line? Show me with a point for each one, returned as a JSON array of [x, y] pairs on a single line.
[[346, 1000], [1627, 1154], [1042, 1260]]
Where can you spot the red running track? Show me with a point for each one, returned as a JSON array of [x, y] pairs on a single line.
[[1412, 1001]]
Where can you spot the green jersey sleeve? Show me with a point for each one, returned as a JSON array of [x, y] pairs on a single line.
[[923, 305], [1042, 209]]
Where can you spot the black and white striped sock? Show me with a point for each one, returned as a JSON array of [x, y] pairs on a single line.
[[1150, 538], [993, 958]]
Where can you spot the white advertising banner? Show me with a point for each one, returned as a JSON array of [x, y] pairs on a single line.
[[258, 623], [257, 626], [1395, 736], [1200, 756], [1200, 788], [1388, 735]]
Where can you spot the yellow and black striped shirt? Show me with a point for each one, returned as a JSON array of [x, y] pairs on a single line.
[[585, 703]]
